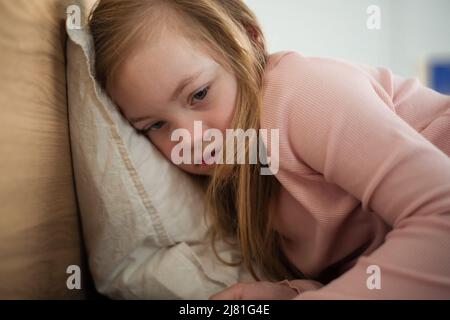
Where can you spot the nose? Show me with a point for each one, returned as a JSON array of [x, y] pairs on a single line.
[[195, 143]]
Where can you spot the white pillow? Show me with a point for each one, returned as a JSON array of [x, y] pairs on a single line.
[[142, 217]]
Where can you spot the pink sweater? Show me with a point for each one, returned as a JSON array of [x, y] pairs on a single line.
[[365, 178]]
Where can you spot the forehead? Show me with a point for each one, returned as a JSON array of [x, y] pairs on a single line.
[[165, 61]]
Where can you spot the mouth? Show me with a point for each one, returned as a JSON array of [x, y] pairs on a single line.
[[213, 153]]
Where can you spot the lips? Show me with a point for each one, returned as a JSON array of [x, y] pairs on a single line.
[[213, 153]]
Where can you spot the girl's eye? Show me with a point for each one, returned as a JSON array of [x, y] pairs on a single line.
[[153, 127], [200, 95], [157, 125]]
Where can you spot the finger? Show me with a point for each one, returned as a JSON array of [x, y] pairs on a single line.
[[233, 292]]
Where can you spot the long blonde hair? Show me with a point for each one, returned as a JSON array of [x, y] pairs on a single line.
[[237, 196]]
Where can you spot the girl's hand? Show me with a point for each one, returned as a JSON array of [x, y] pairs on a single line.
[[260, 290]]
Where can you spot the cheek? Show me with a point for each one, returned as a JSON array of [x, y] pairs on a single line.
[[228, 106], [165, 147]]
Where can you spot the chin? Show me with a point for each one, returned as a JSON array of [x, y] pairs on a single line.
[[198, 169]]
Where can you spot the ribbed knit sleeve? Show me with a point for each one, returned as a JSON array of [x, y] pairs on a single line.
[[341, 122]]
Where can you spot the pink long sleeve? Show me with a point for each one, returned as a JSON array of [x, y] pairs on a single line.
[[365, 176]]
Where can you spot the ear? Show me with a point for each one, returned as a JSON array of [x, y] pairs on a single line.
[[253, 33]]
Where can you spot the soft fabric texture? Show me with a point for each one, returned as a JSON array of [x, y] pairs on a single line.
[[39, 224], [364, 177], [142, 216]]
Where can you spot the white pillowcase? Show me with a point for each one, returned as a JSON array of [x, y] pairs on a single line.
[[142, 217]]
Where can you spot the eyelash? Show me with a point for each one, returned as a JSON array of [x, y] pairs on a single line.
[[205, 89], [149, 128]]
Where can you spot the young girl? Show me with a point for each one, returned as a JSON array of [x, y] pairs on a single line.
[[360, 205]]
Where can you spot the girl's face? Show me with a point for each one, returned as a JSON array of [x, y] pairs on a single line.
[[170, 84]]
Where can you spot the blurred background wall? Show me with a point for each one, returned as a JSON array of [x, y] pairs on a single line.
[[413, 33]]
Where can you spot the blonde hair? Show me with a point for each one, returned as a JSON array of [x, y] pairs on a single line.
[[237, 196]]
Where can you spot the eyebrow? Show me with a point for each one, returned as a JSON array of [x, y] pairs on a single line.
[[181, 85]]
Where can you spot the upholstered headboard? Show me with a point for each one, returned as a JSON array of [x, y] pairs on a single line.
[[39, 225]]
